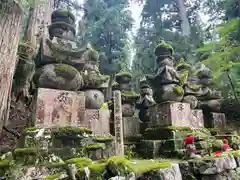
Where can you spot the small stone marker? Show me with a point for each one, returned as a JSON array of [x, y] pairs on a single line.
[[118, 122]]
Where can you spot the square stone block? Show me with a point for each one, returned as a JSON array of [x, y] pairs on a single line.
[[130, 126], [58, 108], [98, 120], [214, 120], [170, 114], [197, 120]]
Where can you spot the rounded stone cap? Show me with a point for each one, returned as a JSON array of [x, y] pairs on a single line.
[[63, 16]]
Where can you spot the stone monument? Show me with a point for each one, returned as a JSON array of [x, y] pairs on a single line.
[[68, 81], [129, 98], [210, 100], [144, 102]]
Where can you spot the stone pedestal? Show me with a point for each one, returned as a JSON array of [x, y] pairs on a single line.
[[170, 114], [130, 126], [58, 108], [196, 118], [214, 120], [98, 121]]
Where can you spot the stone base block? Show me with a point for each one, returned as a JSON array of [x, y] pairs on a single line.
[[149, 149], [164, 133], [196, 118], [130, 126], [58, 108], [98, 121], [214, 120], [214, 166], [226, 175], [170, 114]]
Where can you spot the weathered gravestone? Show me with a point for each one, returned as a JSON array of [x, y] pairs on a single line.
[[118, 122]]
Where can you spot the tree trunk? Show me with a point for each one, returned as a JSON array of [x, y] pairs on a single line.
[[184, 19], [10, 27], [39, 18]]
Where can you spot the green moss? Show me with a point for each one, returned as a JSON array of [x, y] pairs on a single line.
[[5, 164], [56, 165], [104, 106], [217, 145], [68, 131], [103, 139], [66, 71], [129, 94], [25, 151], [122, 165], [124, 73], [115, 84], [30, 130], [194, 87], [180, 128], [53, 177], [183, 65], [93, 147], [80, 162], [164, 44], [178, 90]]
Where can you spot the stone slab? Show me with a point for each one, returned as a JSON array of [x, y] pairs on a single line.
[[214, 120], [170, 114], [130, 126], [196, 117], [214, 165], [58, 108], [98, 121]]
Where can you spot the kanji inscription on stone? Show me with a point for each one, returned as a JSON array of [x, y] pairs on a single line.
[[58, 108], [170, 114], [118, 122]]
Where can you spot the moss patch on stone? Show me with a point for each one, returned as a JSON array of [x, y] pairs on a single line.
[[53, 177], [103, 139], [124, 73], [79, 162], [25, 151], [66, 71], [68, 131], [178, 90], [5, 164], [30, 129], [130, 94], [104, 106], [94, 147], [120, 165]]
